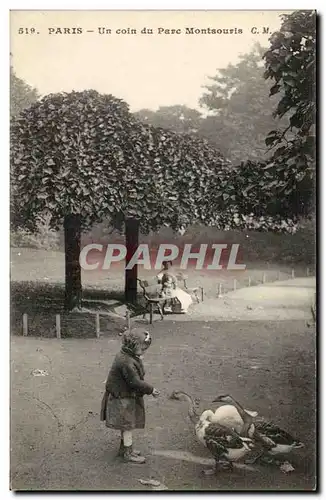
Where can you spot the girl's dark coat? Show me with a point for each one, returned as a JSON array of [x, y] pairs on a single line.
[[123, 403]]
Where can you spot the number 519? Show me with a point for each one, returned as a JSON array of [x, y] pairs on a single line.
[[26, 31]]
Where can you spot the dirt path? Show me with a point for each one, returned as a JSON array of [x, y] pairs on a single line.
[[58, 442], [280, 300]]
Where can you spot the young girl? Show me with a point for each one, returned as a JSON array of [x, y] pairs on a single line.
[[168, 287], [178, 301], [123, 403]]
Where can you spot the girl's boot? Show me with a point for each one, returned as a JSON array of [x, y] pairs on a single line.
[[130, 456], [122, 449]]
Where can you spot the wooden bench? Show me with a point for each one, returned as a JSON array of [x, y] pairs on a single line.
[[153, 301]]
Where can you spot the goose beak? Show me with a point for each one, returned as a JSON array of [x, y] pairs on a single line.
[[253, 414], [220, 398]]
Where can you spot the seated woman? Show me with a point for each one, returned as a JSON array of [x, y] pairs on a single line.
[[178, 301]]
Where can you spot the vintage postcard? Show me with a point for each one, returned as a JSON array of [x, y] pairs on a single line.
[[162, 211]]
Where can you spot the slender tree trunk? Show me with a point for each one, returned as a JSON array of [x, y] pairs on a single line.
[[73, 292], [132, 238]]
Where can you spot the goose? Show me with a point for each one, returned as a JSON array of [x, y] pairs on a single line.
[[232, 417], [274, 440], [224, 443]]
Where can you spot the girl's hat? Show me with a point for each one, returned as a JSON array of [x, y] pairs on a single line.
[[137, 337]]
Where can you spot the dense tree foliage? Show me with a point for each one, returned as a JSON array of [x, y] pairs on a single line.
[[260, 208], [291, 63], [83, 158], [68, 154]]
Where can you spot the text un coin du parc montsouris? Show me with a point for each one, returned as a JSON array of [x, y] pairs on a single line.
[[101, 30]]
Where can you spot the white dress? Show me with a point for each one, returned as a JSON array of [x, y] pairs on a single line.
[[182, 297]]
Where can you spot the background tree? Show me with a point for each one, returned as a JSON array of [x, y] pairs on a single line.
[[178, 118], [241, 111], [22, 95], [291, 63]]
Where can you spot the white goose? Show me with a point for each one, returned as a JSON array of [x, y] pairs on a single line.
[[232, 416], [274, 440], [224, 443]]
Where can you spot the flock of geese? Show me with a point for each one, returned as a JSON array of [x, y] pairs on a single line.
[[232, 432]]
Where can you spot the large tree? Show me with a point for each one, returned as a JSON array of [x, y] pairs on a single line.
[[84, 158], [291, 64], [70, 155], [241, 111]]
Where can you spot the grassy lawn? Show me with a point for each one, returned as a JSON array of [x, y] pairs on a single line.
[[28, 264]]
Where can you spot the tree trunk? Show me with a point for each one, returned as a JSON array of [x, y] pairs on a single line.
[[73, 292], [132, 237]]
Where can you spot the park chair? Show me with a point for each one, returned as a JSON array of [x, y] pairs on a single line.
[[153, 301]]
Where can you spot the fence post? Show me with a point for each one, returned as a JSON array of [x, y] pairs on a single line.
[[292, 274], [249, 281], [128, 320], [219, 293], [58, 325], [97, 325], [234, 284], [264, 278], [151, 312], [25, 325], [308, 271]]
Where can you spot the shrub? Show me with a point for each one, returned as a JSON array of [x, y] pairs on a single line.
[[43, 238]]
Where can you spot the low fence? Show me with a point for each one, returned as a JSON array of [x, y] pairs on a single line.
[[94, 319], [281, 276]]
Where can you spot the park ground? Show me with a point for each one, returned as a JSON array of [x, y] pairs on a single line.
[[265, 360], [58, 442]]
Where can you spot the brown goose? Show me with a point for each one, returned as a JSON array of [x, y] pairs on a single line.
[[274, 440]]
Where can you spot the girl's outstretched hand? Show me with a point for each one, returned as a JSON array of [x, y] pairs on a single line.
[[155, 393]]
